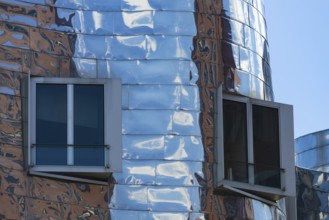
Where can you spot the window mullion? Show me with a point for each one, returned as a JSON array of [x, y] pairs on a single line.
[[70, 125], [250, 144], [32, 115], [220, 135]]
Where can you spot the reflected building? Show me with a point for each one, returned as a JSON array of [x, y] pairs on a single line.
[[148, 109], [312, 175]]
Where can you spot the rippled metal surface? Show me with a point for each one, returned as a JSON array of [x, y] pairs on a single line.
[[169, 57], [312, 175], [312, 194]]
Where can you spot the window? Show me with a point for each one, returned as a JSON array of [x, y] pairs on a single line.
[[75, 126], [255, 146]]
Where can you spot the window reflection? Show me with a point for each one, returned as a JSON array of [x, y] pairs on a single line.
[[51, 124], [263, 166], [235, 141], [89, 125], [266, 146]]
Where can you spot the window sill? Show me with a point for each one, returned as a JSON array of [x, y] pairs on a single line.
[[85, 178], [258, 192]]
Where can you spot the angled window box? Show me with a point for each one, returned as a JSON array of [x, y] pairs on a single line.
[[74, 127], [255, 147]]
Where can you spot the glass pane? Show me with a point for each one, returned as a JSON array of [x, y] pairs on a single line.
[[89, 125], [235, 141], [51, 126], [266, 146]]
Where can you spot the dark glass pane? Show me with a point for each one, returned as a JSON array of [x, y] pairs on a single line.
[[235, 141], [51, 126], [266, 146], [89, 125]]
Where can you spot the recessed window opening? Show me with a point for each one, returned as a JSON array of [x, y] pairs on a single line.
[[255, 146], [251, 143]]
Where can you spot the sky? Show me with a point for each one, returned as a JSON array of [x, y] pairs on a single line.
[[298, 35]]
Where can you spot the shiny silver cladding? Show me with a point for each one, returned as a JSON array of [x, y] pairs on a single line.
[[148, 44], [245, 49], [312, 151], [163, 154], [167, 103]]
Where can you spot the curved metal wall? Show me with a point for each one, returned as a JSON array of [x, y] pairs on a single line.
[[245, 49], [171, 56], [312, 175], [312, 151]]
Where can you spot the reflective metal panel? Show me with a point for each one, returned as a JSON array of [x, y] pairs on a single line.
[[244, 27], [312, 194], [262, 211], [150, 71], [312, 150], [236, 9]]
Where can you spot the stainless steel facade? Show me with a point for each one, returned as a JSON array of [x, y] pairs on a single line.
[[312, 151], [171, 57], [312, 175], [245, 49]]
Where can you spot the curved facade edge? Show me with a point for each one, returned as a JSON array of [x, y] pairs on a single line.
[[245, 50]]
